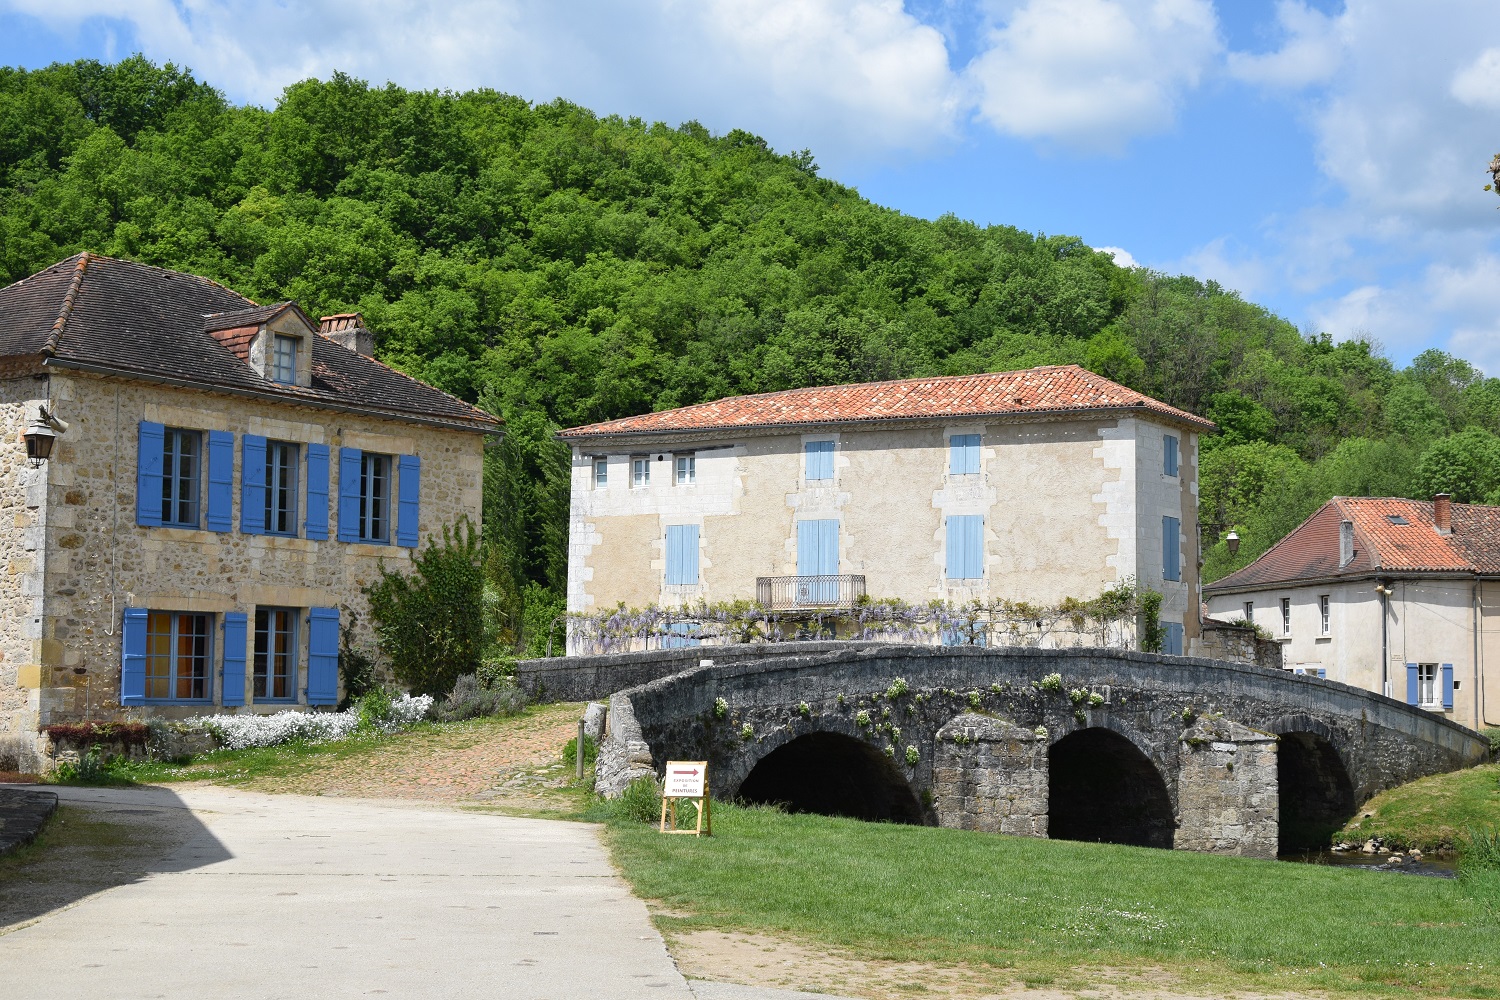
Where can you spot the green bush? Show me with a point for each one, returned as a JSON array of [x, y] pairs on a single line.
[[640, 802], [472, 699], [431, 623], [93, 768], [1493, 735], [356, 665], [374, 707], [590, 752]]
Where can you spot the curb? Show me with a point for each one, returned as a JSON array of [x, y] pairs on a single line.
[[23, 813]]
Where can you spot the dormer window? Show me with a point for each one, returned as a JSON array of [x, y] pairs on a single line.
[[284, 360]]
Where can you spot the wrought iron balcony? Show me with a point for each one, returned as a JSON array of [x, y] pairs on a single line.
[[790, 593]]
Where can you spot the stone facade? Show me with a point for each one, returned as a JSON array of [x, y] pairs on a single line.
[[77, 557], [1071, 506]]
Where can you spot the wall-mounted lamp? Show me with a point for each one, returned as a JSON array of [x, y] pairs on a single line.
[[40, 435], [1232, 542], [1381, 588]]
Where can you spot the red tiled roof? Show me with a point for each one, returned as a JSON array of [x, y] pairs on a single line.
[[1382, 543], [1055, 389]]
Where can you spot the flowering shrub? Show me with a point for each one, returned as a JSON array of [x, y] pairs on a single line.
[[1109, 621], [237, 732]]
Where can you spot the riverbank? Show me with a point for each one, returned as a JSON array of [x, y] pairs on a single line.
[[1431, 815]]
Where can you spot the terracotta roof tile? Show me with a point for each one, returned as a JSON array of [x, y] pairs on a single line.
[[104, 314], [1056, 389], [1390, 535]]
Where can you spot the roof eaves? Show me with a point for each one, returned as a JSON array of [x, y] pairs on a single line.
[[1214, 589], [588, 432], [54, 336], [484, 424]]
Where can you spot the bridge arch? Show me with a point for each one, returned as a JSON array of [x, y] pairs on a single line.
[[1103, 787], [834, 774], [1314, 786]]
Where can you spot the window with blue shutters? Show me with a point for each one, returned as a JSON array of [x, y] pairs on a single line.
[[1172, 638], [351, 460], [818, 561], [220, 514], [1413, 683], [1171, 548], [323, 656], [1445, 682], [963, 455], [182, 463], [375, 498], [819, 458], [1169, 455], [282, 465], [133, 657], [409, 493], [150, 443], [965, 547], [275, 677], [316, 523], [682, 555], [179, 656]]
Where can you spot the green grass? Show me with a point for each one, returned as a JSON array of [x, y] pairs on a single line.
[[1045, 908], [1432, 814]]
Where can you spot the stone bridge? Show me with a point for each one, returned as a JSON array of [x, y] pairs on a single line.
[[1079, 744]]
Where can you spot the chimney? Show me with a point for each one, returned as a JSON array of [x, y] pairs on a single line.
[[348, 330], [1442, 513], [1346, 543]]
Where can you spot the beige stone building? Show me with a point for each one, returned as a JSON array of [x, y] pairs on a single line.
[[1394, 596], [224, 480], [1032, 485]]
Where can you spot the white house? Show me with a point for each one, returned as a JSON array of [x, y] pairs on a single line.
[[1395, 596]]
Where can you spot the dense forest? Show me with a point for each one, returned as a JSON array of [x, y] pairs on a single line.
[[557, 267]]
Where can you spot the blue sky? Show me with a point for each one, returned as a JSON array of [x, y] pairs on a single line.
[[1324, 158]]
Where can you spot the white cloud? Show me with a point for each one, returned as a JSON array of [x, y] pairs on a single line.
[[1478, 84], [1122, 257], [1232, 267], [1311, 54], [847, 77], [1091, 74]]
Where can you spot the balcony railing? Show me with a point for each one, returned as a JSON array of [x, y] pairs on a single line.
[[789, 593]]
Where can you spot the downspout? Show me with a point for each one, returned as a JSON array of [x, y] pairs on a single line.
[[1477, 716], [1385, 653]]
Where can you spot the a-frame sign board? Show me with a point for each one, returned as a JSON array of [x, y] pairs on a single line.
[[686, 779]]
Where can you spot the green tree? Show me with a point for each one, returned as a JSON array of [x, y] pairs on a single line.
[[430, 624], [1466, 464]]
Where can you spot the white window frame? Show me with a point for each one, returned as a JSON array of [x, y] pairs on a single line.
[[268, 656], [1286, 616], [640, 471], [284, 359], [1323, 611], [687, 469], [601, 473], [1250, 611], [1429, 693]]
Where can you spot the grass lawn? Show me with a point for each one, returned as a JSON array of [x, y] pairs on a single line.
[[1432, 813], [1053, 910]]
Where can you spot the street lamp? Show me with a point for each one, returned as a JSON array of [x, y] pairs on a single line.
[[1232, 542], [40, 435]]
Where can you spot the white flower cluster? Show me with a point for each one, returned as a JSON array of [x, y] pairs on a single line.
[[236, 732]]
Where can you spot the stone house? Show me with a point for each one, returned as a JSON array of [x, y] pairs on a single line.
[[1031, 485], [1393, 596], [225, 479]]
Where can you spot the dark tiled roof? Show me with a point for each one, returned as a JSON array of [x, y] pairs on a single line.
[[1390, 535], [104, 314], [1050, 390]]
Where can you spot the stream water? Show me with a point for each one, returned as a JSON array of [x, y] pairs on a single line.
[[1434, 867]]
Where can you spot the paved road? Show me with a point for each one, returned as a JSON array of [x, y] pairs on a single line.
[[285, 896]]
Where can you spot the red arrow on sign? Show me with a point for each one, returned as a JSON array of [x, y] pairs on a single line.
[[693, 771]]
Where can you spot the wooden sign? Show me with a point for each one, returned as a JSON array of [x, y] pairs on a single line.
[[686, 779]]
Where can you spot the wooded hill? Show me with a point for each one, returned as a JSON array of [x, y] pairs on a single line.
[[557, 268]]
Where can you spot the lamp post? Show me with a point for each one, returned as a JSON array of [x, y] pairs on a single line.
[[1232, 542], [40, 435]]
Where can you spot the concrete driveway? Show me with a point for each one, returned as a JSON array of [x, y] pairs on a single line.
[[286, 896]]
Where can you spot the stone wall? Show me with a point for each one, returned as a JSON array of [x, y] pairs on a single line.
[[23, 491], [1227, 790], [98, 561], [991, 775]]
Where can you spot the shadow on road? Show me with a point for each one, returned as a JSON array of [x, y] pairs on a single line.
[[101, 838]]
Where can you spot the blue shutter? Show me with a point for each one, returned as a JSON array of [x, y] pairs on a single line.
[[1411, 684], [253, 484], [409, 487], [317, 492], [349, 459], [236, 635], [323, 656], [1171, 549], [1174, 639], [807, 548], [965, 547], [150, 453], [681, 635], [220, 481], [133, 657], [819, 456], [682, 554], [1169, 459], [963, 455], [828, 545], [1447, 681]]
